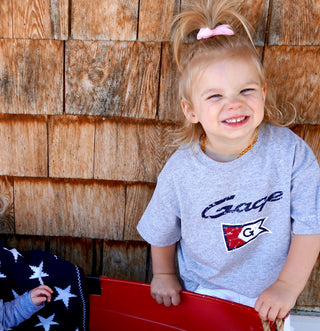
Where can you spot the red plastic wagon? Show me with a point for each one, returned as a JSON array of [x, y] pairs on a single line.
[[127, 305]]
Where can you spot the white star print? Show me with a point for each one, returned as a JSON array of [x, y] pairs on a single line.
[[46, 322], [64, 295], [38, 273], [14, 252]]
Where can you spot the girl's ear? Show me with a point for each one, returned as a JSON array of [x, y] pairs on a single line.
[[264, 92], [188, 111]]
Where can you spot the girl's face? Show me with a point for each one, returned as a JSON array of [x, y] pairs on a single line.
[[228, 101]]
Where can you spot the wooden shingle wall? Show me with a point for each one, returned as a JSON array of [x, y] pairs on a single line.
[[87, 104]]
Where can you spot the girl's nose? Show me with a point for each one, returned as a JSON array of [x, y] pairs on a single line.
[[234, 104]]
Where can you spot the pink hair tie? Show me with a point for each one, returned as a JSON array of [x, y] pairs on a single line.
[[223, 29]]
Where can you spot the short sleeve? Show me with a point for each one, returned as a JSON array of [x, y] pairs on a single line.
[[160, 223], [305, 191]]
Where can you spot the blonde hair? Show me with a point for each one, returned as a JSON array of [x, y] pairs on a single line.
[[209, 14]]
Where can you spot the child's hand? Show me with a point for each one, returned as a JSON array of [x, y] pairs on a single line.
[[276, 301], [165, 289], [41, 294]]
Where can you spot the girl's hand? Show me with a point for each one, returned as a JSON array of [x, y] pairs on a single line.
[[41, 294], [165, 289], [281, 296], [276, 301]]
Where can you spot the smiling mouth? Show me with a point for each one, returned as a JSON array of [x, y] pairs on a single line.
[[236, 120]]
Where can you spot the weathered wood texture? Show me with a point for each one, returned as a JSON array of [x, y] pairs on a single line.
[[294, 72], [294, 22], [309, 299], [137, 199], [40, 19], [112, 78], [312, 137], [71, 147], [6, 19], [256, 13], [57, 207], [88, 100], [23, 146], [6, 206], [24, 243], [169, 105], [31, 76], [155, 19], [80, 251], [130, 151], [104, 19], [125, 260]]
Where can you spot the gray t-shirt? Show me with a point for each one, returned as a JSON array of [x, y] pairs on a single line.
[[233, 221]]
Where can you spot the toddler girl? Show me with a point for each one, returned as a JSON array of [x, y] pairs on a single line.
[[239, 200]]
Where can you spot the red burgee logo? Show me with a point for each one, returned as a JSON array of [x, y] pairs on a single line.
[[237, 236]]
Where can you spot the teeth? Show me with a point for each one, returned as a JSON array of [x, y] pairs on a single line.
[[236, 120]]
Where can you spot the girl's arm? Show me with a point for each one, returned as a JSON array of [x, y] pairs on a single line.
[[165, 286], [277, 300]]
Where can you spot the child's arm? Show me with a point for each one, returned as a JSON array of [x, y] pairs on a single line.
[[165, 286], [41, 294], [277, 300], [14, 312]]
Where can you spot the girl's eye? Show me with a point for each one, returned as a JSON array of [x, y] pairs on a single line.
[[246, 90], [215, 96]]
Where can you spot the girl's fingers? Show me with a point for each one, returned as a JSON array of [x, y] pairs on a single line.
[[175, 299], [167, 301], [159, 299], [273, 313], [264, 312], [283, 313]]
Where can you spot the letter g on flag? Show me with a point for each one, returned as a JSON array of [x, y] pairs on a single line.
[[239, 235]]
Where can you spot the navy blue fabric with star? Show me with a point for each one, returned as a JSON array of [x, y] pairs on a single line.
[[23, 271]]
